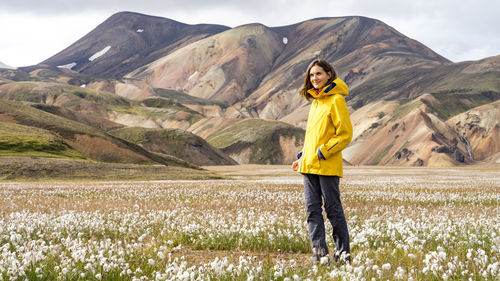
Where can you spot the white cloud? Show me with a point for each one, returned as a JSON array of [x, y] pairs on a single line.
[[2, 65], [456, 31], [29, 39]]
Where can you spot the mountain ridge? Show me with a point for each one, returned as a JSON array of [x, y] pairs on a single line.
[[132, 30]]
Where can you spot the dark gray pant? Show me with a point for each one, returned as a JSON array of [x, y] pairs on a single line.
[[325, 188]]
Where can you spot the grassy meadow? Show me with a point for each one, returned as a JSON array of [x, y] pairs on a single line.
[[405, 224]]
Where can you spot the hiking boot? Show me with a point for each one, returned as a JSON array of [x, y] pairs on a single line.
[[320, 256], [344, 258]]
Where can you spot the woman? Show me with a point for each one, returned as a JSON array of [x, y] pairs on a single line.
[[328, 132]]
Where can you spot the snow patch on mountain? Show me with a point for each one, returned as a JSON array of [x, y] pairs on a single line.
[[67, 66], [100, 53], [192, 75]]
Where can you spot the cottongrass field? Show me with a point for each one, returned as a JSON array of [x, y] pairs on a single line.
[[405, 224]]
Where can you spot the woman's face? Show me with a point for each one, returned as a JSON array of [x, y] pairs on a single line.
[[318, 77]]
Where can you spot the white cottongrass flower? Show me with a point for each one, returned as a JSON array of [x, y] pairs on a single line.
[[324, 260], [161, 255], [400, 273]]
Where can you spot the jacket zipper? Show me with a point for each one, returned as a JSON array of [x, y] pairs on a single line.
[[314, 119]]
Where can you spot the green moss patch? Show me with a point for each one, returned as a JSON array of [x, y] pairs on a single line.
[[453, 102], [30, 141]]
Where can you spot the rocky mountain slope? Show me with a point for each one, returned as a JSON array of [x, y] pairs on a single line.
[[479, 130], [416, 137], [257, 70], [127, 41], [409, 105]]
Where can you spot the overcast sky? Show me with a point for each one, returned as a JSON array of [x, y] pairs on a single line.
[[33, 30]]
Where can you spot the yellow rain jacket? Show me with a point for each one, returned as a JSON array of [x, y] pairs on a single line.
[[328, 132]]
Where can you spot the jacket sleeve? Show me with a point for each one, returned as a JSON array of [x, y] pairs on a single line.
[[343, 129]]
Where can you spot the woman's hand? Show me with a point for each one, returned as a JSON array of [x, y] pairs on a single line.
[[295, 165]]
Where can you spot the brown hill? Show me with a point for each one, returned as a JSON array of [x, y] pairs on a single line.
[[86, 140], [254, 141], [175, 142], [20, 140], [99, 123]]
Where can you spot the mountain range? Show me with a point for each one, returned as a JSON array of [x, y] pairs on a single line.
[[211, 95]]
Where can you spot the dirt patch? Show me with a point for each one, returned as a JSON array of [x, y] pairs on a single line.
[[289, 148], [8, 119], [243, 156], [105, 150]]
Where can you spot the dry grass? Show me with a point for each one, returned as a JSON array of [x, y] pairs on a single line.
[[53, 169]]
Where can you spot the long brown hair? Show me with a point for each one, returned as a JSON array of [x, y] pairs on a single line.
[[328, 68]]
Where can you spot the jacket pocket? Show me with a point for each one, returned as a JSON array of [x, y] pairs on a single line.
[[316, 161]]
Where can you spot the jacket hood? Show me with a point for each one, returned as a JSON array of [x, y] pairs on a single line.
[[336, 87]]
